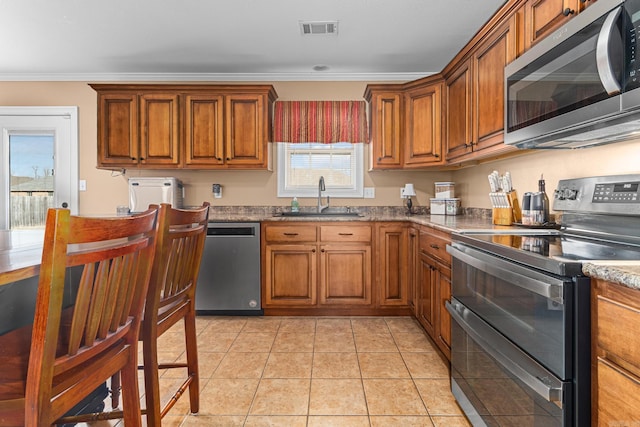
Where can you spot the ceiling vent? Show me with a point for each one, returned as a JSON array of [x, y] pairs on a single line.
[[318, 27]]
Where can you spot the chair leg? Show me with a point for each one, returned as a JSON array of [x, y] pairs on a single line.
[[130, 394], [115, 390], [151, 380], [192, 359]]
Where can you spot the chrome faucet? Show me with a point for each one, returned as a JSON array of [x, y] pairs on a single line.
[[321, 188]]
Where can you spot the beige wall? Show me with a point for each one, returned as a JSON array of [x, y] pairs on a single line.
[[106, 190]]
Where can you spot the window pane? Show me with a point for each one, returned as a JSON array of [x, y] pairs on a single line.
[[31, 179], [301, 166]]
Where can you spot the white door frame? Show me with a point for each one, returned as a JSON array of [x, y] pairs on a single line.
[[66, 156]]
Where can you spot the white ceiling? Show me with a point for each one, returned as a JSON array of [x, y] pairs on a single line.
[[251, 40]]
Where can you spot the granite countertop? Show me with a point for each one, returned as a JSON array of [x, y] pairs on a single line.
[[470, 219], [625, 273]]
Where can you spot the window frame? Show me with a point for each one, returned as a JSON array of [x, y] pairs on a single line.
[[357, 191]]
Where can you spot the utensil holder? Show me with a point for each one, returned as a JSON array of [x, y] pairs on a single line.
[[502, 216]]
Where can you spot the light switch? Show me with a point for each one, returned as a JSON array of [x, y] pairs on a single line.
[[82, 185]]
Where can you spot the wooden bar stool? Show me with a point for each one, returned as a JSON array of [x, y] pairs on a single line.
[[171, 298], [79, 341]]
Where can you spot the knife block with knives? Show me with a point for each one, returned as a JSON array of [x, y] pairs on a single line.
[[504, 200]]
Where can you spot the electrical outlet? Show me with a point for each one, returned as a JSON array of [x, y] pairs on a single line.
[[369, 192], [402, 193]]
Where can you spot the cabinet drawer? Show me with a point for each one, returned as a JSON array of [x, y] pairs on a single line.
[[618, 395], [617, 330], [345, 233], [435, 244], [290, 233]]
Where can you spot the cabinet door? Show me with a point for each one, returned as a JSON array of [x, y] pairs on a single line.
[[118, 129], [159, 129], [618, 395], [459, 131], [488, 66], [290, 275], [246, 132], [443, 294], [545, 16], [423, 109], [345, 274], [204, 132], [392, 265], [386, 130], [426, 294]]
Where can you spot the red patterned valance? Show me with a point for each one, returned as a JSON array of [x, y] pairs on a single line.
[[320, 121]]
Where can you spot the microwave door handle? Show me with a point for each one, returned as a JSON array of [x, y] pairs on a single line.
[[603, 61]]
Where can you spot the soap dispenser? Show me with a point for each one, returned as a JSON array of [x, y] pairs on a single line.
[[295, 206]]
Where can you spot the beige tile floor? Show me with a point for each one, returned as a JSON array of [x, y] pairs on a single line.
[[312, 371]]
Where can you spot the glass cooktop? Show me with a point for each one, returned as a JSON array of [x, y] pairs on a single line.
[[556, 252]]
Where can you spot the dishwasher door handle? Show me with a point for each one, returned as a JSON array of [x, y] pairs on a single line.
[[231, 231]]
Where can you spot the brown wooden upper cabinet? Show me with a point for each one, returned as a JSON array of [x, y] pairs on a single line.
[[423, 141], [386, 118], [184, 126], [406, 124], [475, 97], [544, 16]]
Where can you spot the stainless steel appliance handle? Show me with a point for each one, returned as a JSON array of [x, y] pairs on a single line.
[[529, 279], [506, 353], [603, 61]]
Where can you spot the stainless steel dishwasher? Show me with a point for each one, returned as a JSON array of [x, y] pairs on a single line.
[[229, 280]]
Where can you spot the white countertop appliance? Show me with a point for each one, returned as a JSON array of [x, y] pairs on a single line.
[[152, 190]]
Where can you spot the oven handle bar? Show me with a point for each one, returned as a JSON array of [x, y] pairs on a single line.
[[529, 279], [507, 354]]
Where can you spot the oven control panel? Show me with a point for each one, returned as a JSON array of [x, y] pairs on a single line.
[[617, 194]]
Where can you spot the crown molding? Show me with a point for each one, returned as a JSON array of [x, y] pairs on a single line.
[[217, 77]]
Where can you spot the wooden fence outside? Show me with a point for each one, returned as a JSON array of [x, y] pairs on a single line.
[[29, 211]]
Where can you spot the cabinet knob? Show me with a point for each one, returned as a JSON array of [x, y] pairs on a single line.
[[219, 159], [313, 251], [141, 158], [133, 158], [379, 159], [568, 11], [322, 250], [228, 158], [436, 156]]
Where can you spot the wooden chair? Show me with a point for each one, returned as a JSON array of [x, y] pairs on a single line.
[[80, 338], [171, 298]]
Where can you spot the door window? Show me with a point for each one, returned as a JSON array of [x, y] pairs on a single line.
[[38, 162]]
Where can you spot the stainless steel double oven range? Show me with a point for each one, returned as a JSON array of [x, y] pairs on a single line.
[[520, 335]]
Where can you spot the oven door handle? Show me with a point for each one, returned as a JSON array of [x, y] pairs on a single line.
[[507, 354], [526, 278]]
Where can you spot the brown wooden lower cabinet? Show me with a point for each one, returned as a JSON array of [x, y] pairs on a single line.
[[433, 287], [328, 268], [616, 354]]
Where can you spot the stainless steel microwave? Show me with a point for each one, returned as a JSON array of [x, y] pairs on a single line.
[[580, 86]]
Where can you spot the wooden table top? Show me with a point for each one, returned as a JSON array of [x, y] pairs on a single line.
[[20, 254]]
